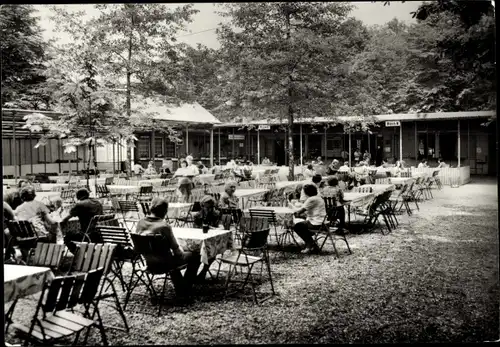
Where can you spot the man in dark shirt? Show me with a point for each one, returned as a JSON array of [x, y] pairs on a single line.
[[208, 214], [84, 209], [155, 224]]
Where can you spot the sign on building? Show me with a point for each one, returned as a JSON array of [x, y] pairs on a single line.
[[392, 123], [264, 127], [236, 137]]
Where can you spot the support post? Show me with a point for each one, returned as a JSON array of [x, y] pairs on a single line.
[[369, 147], [232, 151], [468, 143], [59, 153], [219, 146], [458, 139], [187, 140], [416, 145], [350, 165], [301, 154], [153, 146], [401, 142], [258, 146], [14, 147], [45, 158], [31, 154], [114, 167], [326, 153], [212, 147]]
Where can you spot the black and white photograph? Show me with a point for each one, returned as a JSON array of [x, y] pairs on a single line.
[[241, 173]]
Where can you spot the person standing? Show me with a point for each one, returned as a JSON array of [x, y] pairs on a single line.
[[357, 155], [138, 170], [379, 156]]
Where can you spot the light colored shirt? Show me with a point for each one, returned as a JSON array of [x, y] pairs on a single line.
[[422, 165], [138, 169], [308, 173], [315, 210], [227, 201]]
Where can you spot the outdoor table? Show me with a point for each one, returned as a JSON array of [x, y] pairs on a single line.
[[243, 194], [155, 182], [123, 189], [257, 173], [92, 181], [205, 178], [290, 184], [400, 180], [380, 188], [9, 182], [40, 196], [216, 241], [48, 187], [177, 209], [356, 199]]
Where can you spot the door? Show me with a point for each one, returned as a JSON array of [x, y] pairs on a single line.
[[448, 145], [279, 153]]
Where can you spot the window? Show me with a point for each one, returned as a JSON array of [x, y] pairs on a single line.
[[169, 149], [159, 146], [143, 146]]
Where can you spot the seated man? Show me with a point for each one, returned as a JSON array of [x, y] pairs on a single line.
[[423, 164], [208, 214], [155, 224], [85, 208], [314, 212]]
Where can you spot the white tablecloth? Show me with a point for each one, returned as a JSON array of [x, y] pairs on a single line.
[[155, 182], [216, 241], [178, 209], [119, 189], [47, 187], [400, 180], [20, 281], [205, 178]]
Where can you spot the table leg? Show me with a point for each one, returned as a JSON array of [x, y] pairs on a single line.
[[8, 316]]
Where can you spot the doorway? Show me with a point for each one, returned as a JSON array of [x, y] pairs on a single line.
[[279, 153], [448, 145]]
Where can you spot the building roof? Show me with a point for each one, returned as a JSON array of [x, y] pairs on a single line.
[[403, 117], [186, 113]]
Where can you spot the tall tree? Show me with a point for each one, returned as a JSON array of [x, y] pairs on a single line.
[[22, 56], [286, 60], [132, 41]]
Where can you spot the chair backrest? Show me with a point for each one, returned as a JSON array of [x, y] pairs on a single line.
[[98, 219], [66, 292], [155, 249], [67, 194], [254, 223], [102, 189], [115, 235], [254, 239], [269, 214], [362, 189], [91, 256], [108, 180], [330, 202], [128, 206], [235, 214], [21, 229], [146, 190], [145, 208], [48, 254], [435, 173]]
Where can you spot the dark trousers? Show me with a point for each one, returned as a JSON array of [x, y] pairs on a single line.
[[183, 284], [303, 229]]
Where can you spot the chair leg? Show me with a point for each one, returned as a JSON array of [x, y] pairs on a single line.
[[227, 279], [332, 239], [162, 295], [268, 265], [119, 307]]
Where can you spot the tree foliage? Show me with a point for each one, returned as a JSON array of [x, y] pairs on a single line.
[[23, 53], [287, 60]]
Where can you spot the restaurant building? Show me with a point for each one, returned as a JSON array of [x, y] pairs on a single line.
[[467, 139]]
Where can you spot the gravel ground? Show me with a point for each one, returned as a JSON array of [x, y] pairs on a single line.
[[433, 279]]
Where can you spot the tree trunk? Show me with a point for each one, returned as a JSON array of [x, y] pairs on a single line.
[[129, 110], [291, 161]]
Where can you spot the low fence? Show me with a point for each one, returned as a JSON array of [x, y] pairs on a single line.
[[451, 175]]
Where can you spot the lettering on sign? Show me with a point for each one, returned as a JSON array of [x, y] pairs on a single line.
[[236, 137], [264, 127], [392, 123]]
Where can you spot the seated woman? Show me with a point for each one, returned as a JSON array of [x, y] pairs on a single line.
[[398, 168], [309, 172], [208, 214], [314, 212], [182, 170], [442, 164], [227, 198], [150, 170], [184, 189], [38, 214]]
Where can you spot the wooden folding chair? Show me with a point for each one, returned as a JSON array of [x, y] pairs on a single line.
[[91, 256], [123, 254], [127, 207], [56, 323], [23, 236], [271, 217]]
